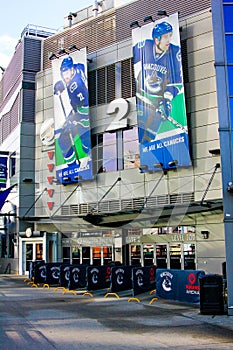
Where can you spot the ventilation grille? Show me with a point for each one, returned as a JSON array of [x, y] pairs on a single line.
[[125, 205]]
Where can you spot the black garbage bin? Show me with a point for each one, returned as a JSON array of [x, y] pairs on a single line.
[[211, 295]]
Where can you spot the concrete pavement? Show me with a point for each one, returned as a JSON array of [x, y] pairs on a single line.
[[45, 318]]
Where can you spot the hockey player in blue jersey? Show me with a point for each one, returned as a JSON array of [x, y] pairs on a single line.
[[158, 80], [77, 122]]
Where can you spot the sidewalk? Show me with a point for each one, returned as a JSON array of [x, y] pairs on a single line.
[[191, 311], [45, 318]]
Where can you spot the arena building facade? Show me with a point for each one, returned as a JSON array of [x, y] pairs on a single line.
[[170, 217]]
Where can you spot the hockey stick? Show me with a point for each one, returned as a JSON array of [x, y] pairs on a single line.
[[70, 134]]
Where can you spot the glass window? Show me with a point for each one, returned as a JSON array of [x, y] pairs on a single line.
[[12, 164], [104, 153], [131, 148]]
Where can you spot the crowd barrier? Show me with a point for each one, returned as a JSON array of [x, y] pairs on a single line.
[[180, 285], [112, 279]]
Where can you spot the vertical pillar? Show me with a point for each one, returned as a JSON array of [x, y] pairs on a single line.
[[222, 12]]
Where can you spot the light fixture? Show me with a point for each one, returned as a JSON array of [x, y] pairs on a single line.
[[70, 17], [62, 52], [134, 24], [53, 56], [148, 19], [173, 163], [73, 14], [56, 181], [27, 180], [66, 178], [158, 165], [162, 13], [214, 152], [77, 177], [143, 167], [230, 187], [205, 234], [73, 47]]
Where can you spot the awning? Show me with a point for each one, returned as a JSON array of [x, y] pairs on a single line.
[[146, 217]]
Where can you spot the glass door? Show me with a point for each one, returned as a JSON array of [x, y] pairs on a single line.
[[107, 254], [189, 256], [31, 251], [96, 256], [28, 255], [135, 254], [86, 255], [161, 256], [148, 255], [175, 256]]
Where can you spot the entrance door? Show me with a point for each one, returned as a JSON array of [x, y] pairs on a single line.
[[135, 254], [28, 255], [175, 256], [189, 256], [31, 251], [96, 256], [148, 255], [161, 256], [86, 255]]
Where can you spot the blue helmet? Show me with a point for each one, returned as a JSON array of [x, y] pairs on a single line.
[[67, 63], [160, 29]]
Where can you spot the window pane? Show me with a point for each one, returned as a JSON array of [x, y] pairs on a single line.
[[131, 149]]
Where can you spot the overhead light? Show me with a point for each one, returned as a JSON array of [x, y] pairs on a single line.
[[77, 177], [205, 234], [27, 180], [230, 187], [148, 19], [173, 163], [134, 24], [53, 56], [56, 181], [66, 178], [73, 47], [162, 13], [62, 52], [143, 168], [158, 165], [73, 14], [215, 152]]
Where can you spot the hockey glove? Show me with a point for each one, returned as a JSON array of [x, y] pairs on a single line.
[[59, 87]]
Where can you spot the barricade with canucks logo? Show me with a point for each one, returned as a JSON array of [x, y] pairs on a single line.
[[180, 285]]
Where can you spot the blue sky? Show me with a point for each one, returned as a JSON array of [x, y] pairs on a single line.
[[15, 15]]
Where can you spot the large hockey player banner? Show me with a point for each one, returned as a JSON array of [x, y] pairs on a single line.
[[161, 112], [71, 115]]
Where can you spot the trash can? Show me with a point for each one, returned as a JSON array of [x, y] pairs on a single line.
[[211, 295]]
